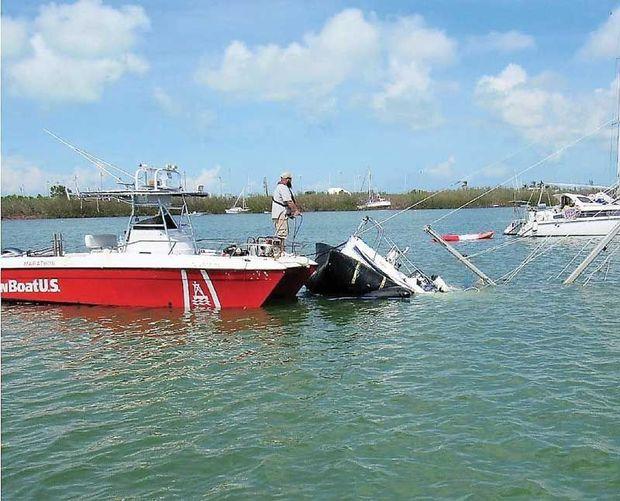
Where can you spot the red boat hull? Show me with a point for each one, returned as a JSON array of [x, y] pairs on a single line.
[[171, 288]]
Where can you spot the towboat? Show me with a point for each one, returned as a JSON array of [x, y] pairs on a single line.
[[358, 270], [157, 262]]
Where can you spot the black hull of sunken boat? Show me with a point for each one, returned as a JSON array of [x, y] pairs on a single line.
[[338, 275]]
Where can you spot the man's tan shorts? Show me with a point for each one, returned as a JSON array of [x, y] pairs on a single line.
[[281, 226]]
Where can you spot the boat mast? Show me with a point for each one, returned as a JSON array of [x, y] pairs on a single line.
[[617, 125], [239, 197]]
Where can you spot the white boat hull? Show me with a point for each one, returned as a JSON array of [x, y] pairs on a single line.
[[588, 227], [375, 205], [236, 210]]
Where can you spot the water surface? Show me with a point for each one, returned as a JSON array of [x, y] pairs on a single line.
[[509, 391]]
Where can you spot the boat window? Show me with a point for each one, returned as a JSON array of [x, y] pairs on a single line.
[[585, 200], [156, 223], [599, 213]]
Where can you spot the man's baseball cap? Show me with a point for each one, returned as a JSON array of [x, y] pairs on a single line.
[[286, 175]]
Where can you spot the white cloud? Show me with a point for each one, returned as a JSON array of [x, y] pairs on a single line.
[[388, 65], [86, 178], [443, 169], [21, 176], [206, 177], [75, 50], [413, 50], [52, 76], [496, 41], [311, 68], [604, 42], [495, 171], [199, 119], [410, 39], [89, 28], [14, 37], [540, 114], [166, 102]]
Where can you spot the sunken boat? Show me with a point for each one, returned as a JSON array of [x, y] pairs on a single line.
[[357, 270]]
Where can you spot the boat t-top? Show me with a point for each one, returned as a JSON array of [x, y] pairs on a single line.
[[157, 262]]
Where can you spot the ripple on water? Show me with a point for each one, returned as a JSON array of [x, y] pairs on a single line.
[[505, 392]]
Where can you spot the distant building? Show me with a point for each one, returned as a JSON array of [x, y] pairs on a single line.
[[338, 191]]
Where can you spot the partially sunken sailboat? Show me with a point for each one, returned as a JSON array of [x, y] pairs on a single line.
[[358, 270]]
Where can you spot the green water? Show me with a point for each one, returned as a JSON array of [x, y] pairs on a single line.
[[512, 391]]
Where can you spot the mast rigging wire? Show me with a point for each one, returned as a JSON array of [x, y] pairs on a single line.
[[467, 178], [535, 164]]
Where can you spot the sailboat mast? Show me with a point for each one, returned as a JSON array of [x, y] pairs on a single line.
[[617, 121]]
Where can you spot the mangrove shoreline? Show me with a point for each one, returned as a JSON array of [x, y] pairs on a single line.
[[43, 207]]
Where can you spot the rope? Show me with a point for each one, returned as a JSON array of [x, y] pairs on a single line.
[[536, 252], [492, 249], [318, 254], [467, 178], [297, 227], [551, 277], [536, 164], [607, 260]]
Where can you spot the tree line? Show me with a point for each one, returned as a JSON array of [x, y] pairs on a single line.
[[58, 205]]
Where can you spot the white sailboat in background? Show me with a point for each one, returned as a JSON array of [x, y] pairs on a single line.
[[375, 201], [576, 214], [239, 209]]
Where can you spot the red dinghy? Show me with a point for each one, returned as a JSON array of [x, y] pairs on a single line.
[[468, 237]]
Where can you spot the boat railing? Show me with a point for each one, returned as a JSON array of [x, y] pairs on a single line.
[[382, 240], [57, 249]]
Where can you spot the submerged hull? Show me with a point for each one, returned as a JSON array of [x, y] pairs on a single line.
[[339, 275]]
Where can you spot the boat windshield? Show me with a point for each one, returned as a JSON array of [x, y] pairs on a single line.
[[156, 223]]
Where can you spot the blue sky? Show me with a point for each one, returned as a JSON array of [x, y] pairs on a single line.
[[424, 93]]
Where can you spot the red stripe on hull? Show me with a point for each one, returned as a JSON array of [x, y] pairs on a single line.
[[152, 288]]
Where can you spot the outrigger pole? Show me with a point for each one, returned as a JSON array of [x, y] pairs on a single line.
[[100, 164], [593, 255], [485, 279]]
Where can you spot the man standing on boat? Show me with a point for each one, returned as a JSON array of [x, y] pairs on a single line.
[[283, 205]]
